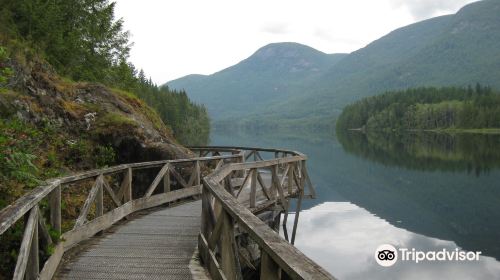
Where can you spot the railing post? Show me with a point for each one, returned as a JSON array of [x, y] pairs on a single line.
[[229, 262], [33, 269], [55, 209], [253, 188], [269, 270], [127, 186], [198, 173], [290, 179], [166, 182]]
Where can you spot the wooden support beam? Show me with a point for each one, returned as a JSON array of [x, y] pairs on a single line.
[[214, 236], [178, 177], [111, 193], [229, 263], [244, 183], [290, 178], [55, 208], [263, 186], [26, 253], [296, 220], [269, 270], [166, 182], [253, 188], [157, 180], [88, 202]]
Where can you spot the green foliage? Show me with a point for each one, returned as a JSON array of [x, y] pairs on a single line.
[[425, 109], [83, 41], [5, 72], [104, 156]]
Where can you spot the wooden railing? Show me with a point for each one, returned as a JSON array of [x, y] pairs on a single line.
[[228, 213], [227, 220], [115, 185]]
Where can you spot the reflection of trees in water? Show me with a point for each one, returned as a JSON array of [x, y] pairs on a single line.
[[477, 153]]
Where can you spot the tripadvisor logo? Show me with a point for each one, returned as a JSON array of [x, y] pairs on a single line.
[[387, 255]]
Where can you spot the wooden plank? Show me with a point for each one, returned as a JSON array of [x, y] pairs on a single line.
[[221, 173], [26, 244], [166, 182], [296, 220], [214, 236], [289, 258], [263, 186], [253, 188], [127, 186], [10, 214], [290, 178], [178, 177], [194, 174], [210, 260], [244, 183], [312, 191], [55, 208], [50, 266], [32, 267], [198, 173], [88, 202], [111, 193], [157, 180], [100, 223], [229, 264], [269, 270], [277, 184]]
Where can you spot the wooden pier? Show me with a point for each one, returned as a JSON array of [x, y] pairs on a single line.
[[131, 229]]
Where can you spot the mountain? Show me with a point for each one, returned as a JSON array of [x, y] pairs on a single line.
[[275, 72], [452, 50]]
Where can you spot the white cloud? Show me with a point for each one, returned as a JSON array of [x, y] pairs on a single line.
[[422, 9], [179, 37]]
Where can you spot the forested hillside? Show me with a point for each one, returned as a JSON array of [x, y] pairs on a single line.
[[274, 73], [453, 50], [425, 109], [84, 42]]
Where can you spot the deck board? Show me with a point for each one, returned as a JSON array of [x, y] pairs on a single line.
[[154, 246]]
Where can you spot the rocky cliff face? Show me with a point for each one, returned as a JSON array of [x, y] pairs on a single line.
[[102, 116]]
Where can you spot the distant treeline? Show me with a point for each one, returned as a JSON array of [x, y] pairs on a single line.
[[425, 109], [83, 41]]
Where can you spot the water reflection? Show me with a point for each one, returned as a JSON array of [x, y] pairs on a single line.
[[425, 190], [426, 150], [343, 237]]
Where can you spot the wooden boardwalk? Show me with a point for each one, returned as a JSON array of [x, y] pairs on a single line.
[[158, 245], [227, 225]]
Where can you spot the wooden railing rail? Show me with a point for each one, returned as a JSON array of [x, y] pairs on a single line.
[[93, 218], [233, 193], [227, 219]]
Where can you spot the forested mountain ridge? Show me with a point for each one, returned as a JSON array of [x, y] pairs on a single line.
[[273, 73], [452, 50], [425, 109]]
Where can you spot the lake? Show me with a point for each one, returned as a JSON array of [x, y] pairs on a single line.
[[422, 191]]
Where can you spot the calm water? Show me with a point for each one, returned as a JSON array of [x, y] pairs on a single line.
[[422, 191]]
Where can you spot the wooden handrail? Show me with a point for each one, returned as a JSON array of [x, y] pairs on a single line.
[[224, 216], [228, 171]]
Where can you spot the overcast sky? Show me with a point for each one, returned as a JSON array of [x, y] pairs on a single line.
[[179, 37]]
